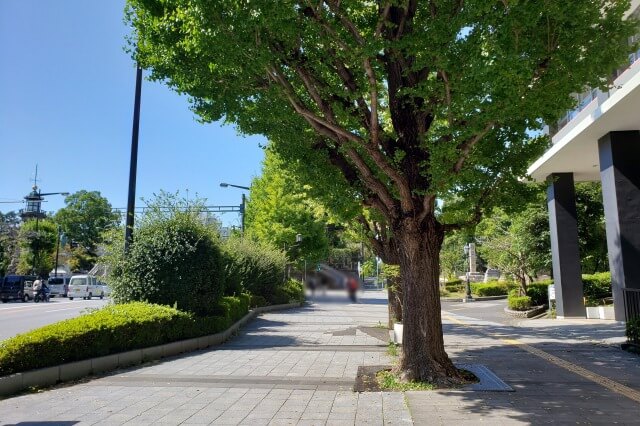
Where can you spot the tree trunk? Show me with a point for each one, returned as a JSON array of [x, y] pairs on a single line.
[[394, 291], [423, 355]]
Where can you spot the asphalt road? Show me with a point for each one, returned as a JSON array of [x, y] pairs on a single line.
[[488, 310], [18, 317]]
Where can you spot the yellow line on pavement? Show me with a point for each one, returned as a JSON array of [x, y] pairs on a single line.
[[580, 371]]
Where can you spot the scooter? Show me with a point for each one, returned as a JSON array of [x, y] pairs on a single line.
[[42, 296]]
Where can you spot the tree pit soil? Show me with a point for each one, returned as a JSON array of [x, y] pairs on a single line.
[[367, 380]]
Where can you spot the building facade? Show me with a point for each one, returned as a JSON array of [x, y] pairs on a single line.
[[597, 141]]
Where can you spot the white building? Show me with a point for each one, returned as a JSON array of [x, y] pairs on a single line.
[[598, 141]]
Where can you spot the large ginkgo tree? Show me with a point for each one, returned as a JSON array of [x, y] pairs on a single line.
[[414, 101]]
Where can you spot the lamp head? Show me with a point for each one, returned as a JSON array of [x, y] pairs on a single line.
[[224, 185], [64, 194]]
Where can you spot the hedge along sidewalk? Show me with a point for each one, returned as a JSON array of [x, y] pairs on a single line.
[[473, 298], [15, 383]]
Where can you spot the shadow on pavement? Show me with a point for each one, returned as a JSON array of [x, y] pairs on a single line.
[[544, 391]]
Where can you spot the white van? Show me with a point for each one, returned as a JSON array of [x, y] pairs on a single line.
[[58, 286], [85, 286]]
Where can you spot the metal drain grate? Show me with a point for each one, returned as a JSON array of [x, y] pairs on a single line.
[[488, 380]]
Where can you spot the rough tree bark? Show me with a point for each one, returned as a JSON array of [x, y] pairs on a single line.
[[423, 354], [386, 248], [394, 292]]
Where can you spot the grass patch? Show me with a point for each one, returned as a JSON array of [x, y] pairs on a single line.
[[392, 349], [387, 380], [381, 325]]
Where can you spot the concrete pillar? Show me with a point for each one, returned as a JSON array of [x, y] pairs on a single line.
[[565, 252], [620, 174]]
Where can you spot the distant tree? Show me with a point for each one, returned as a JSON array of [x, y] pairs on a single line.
[[279, 209], [517, 244], [592, 236], [37, 240], [84, 219], [452, 261], [9, 226]]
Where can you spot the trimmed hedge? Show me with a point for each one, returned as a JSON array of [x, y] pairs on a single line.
[[454, 286], [633, 330], [596, 287], [489, 289], [290, 292], [539, 293], [112, 329], [519, 303]]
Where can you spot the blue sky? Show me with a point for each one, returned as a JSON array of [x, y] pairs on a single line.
[[66, 104]]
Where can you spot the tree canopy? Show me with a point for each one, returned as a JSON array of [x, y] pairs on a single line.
[[279, 209], [86, 216], [411, 100]]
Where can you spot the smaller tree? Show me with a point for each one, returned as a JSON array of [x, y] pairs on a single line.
[[592, 236], [279, 209], [37, 241], [452, 261], [9, 226], [84, 219], [517, 244]]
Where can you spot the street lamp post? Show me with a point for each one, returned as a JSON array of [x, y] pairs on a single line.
[[467, 250], [244, 200], [286, 261]]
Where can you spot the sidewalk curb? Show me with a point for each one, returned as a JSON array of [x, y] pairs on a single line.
[[475, 299], [48, 376], [536, 310]]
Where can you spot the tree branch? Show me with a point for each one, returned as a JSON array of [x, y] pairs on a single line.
[[466, 146]]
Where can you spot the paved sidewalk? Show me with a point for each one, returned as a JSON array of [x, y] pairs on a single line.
[[562, 371], [298, 367], [285, 368]]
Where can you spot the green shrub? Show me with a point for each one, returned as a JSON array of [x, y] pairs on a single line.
[[519, 303], [454, 286], [633, 330], [105, 331], [174, 260], [290, 292], [596, 287], [539, 293], [258, 301], [253, 267], [236, 307], [489, 289], [511, 285]]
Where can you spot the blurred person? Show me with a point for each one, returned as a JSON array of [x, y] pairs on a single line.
[[352, 288]]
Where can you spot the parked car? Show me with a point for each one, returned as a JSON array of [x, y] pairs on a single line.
[[58, 286], [16, 287], [85, 286]]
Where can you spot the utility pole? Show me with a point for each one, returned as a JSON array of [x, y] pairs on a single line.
[[133, 166]]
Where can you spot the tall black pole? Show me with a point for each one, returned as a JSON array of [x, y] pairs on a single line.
[[243, 207], [57, 250], [131, 204]]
